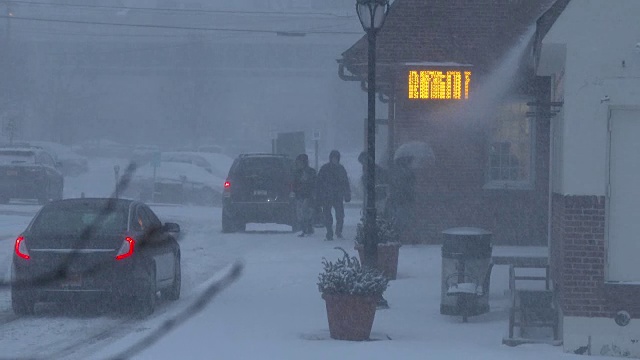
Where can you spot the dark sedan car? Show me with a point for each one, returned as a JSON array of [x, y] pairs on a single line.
[[111, 249], [29, 173]]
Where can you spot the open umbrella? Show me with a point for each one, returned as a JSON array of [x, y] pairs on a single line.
[[421, 152]]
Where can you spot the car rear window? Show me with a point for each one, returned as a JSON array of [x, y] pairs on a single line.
[[75, 220]]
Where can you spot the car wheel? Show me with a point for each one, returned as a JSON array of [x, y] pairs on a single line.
[[147, 298], [21, 303], [173, 293]]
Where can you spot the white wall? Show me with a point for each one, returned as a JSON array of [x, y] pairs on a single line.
[[599, 35]]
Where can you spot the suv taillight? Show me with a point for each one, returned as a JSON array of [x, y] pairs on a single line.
[[21, 248], [227, 189], [126, 249]]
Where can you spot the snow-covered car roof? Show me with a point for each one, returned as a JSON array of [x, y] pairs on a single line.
[[173, 172], [59, 151], [219, 164]]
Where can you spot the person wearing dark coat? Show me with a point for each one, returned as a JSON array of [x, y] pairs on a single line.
[[333, 189], [304, 183]]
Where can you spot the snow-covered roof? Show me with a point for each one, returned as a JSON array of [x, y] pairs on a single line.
[[437, 64]]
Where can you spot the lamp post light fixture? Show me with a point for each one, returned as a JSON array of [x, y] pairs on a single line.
[[372, 14]]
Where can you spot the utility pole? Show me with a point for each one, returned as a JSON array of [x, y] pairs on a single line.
[[6, 56], [316, 139], [8, 14]]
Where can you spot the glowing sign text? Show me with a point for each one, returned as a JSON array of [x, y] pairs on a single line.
[[439, 85]]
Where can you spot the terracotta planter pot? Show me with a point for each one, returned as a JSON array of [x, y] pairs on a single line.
[[350, 316], [387, 258]]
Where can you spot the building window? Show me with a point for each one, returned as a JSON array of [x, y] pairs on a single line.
[[511, 147]]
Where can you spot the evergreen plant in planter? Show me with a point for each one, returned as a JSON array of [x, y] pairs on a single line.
[[388, 247], [351, 293]]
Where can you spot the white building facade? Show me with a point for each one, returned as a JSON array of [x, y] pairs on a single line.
[[591, 51]]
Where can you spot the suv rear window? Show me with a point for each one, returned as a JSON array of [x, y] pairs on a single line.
[[263, 167]]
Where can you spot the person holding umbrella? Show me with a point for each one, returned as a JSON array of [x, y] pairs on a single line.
[[400, 206]]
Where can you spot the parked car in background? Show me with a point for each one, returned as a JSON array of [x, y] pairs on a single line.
[[175, 182], [29, 173], [216, 149], [188, 157], [126, 257], [71, 163], [103, 148], [258, 190], [216, 164], [143, 154]]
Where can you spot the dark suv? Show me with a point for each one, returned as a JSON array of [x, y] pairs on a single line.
[[258, 190]]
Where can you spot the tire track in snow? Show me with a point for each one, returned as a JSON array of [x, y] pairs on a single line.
[[99, 336]]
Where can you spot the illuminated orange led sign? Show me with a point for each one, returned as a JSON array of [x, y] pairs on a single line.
[[439, 85]]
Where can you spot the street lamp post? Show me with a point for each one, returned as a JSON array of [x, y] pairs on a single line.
[[372, 14]]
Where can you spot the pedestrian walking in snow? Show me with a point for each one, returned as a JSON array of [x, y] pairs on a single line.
[[333, 190], [304, 183]]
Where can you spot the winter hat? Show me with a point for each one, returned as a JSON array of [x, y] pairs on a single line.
[[334, 154]]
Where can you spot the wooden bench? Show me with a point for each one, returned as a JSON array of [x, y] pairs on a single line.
[[531, 308]]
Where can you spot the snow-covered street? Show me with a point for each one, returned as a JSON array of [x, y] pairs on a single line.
[[274, 311]]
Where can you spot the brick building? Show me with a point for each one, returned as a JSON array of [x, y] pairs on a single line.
[[458, 76], [594, 72]]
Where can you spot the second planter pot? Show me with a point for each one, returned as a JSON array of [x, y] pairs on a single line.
[[387, 258]]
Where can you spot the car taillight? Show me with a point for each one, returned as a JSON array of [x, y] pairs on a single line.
[[21, 248], [126, 249], [227, 185]]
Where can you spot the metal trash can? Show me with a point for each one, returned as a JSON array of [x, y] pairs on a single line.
[[466, 268]]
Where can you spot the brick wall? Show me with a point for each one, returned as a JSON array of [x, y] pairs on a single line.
[[578, 260], [556, 256]]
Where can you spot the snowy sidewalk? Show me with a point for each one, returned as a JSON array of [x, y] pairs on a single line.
[[275, 312]]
